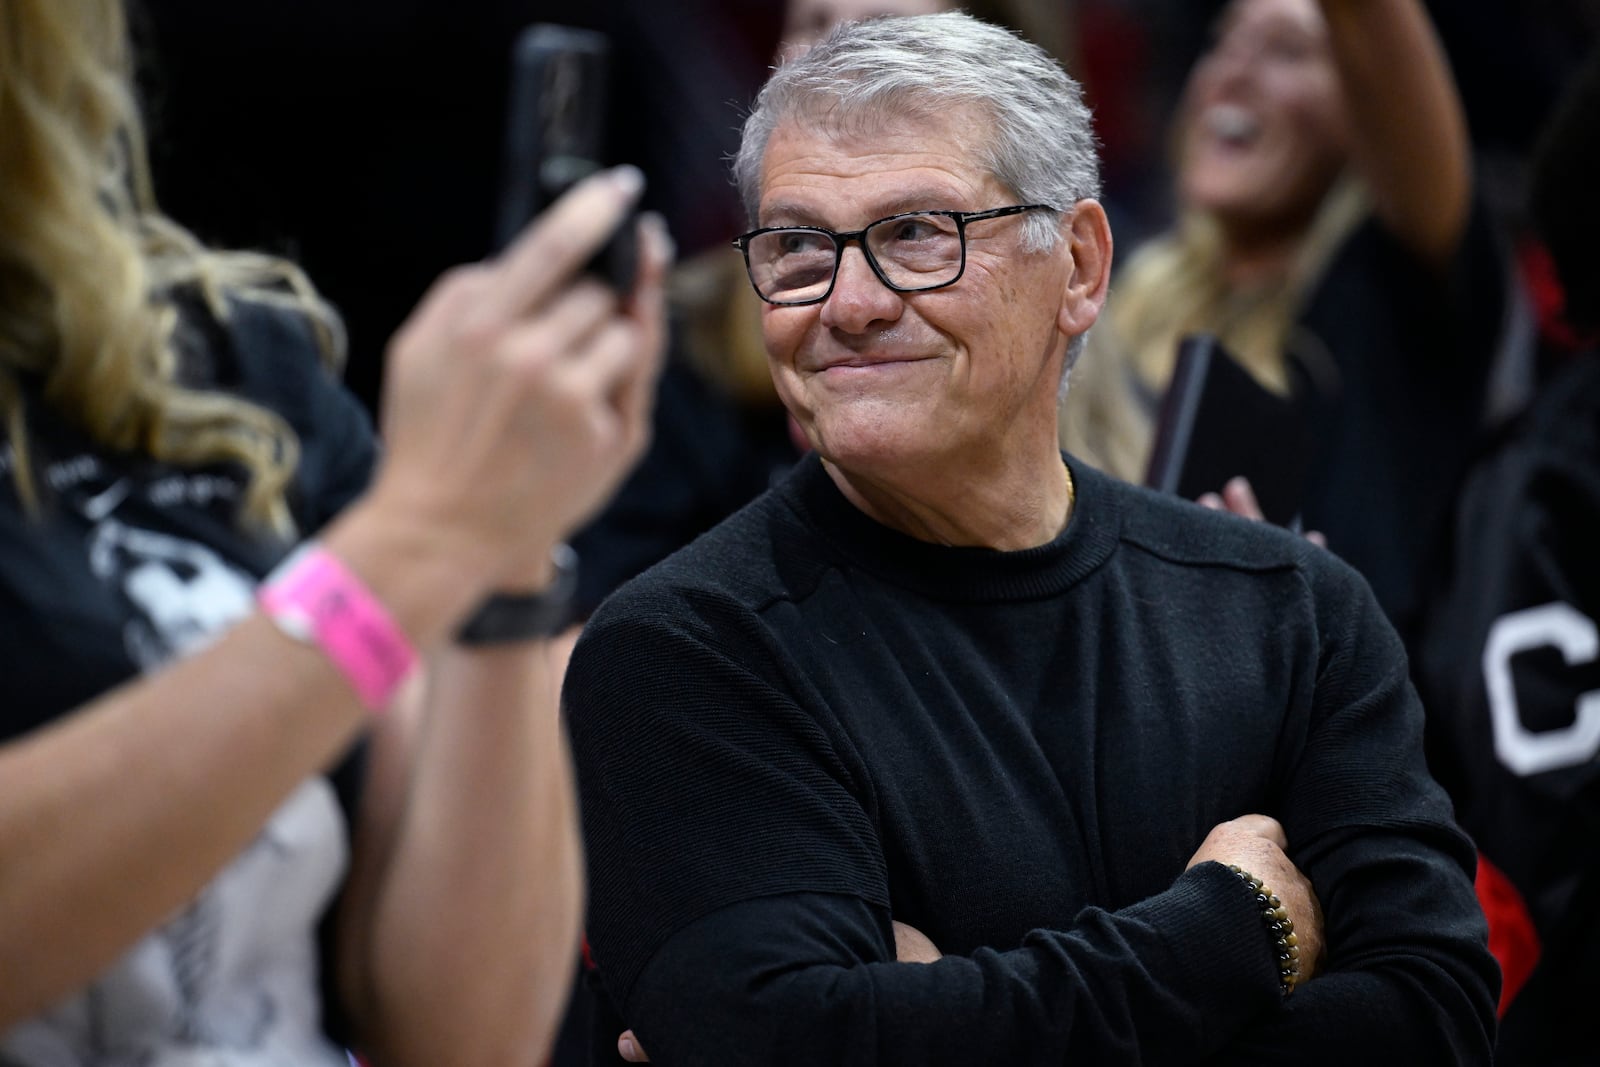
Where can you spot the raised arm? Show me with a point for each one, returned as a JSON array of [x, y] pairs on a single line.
[[1407, 123], [516, 400], [461, 928]]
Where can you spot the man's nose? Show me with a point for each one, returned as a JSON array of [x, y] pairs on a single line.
[[859, 296]]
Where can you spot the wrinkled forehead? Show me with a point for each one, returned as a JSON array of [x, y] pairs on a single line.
[[957, 130]]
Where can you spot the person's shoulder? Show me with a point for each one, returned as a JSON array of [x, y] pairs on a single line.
[[1181, 538], [271, 349], [277, 345], [1185, 534], [1536, 485], [703, 610], [267, 347]]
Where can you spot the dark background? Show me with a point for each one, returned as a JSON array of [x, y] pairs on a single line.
[[362, 137]]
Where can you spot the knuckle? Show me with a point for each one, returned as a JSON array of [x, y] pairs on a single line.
[[1264, 825], [593, 290], [478, 335], [529, 375]]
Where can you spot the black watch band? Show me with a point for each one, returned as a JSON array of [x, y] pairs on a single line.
[[506, 617]]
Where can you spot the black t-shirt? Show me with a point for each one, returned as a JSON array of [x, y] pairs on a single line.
[[1398, 354], [132, 563]]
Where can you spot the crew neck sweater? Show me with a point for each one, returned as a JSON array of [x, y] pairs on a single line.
[[806, 724]]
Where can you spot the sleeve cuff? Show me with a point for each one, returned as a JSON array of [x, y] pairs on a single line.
[[1220, 958]]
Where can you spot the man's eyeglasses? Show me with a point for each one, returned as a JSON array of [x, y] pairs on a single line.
[[910, 253]]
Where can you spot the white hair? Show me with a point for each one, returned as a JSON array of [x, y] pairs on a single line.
[[1038, 138]]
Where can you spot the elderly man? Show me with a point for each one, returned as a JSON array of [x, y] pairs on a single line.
[[945, 691]]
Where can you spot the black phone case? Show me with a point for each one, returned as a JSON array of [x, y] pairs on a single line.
[[1217, 422], [555, 137]]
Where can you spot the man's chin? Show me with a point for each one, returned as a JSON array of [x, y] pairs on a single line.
[[872, 449]]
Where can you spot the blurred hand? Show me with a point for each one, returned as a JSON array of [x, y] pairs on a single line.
[[518, 393], [1256, 844], [1239, 498]]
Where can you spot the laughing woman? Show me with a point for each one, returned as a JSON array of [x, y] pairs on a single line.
[[1328, 233]]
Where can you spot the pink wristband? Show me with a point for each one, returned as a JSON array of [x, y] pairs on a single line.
[[315, 599]]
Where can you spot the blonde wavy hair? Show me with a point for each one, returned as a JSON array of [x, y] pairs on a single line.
[[89, 266]]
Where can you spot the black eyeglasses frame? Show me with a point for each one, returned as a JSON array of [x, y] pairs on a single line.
[[841, 240]]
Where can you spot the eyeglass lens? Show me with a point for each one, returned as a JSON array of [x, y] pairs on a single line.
[[910, 252]]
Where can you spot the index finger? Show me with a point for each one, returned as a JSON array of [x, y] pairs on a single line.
[[550, 249]]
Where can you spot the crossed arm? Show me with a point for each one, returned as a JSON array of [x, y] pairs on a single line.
[[797, 969], [1254, 840]]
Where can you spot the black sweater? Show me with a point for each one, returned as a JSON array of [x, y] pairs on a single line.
[[805, 724]]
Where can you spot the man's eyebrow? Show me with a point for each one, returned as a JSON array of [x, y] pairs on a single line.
[[785, 213]]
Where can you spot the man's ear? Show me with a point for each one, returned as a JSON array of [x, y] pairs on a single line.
[[1088, 236]]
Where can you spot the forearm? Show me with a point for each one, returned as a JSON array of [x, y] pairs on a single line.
[[1409, 976], [467, 918], [1404, 997], [1409, 130], [1340, 1019], [186, 764], [1164, 981]]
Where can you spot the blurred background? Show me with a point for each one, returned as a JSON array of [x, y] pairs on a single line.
[[363, 137]]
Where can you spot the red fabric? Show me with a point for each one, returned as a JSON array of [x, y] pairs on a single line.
[[1512, 939], [1549, 299]]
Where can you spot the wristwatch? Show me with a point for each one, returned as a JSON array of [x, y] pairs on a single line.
[[503, 618]]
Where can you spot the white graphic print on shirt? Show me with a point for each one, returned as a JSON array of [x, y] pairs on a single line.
[[184, 593], [231, 980]]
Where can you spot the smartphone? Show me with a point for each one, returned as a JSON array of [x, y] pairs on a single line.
[[1217, 421], [556, 136]]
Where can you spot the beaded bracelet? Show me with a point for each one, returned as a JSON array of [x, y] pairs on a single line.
[[1284, 944]]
